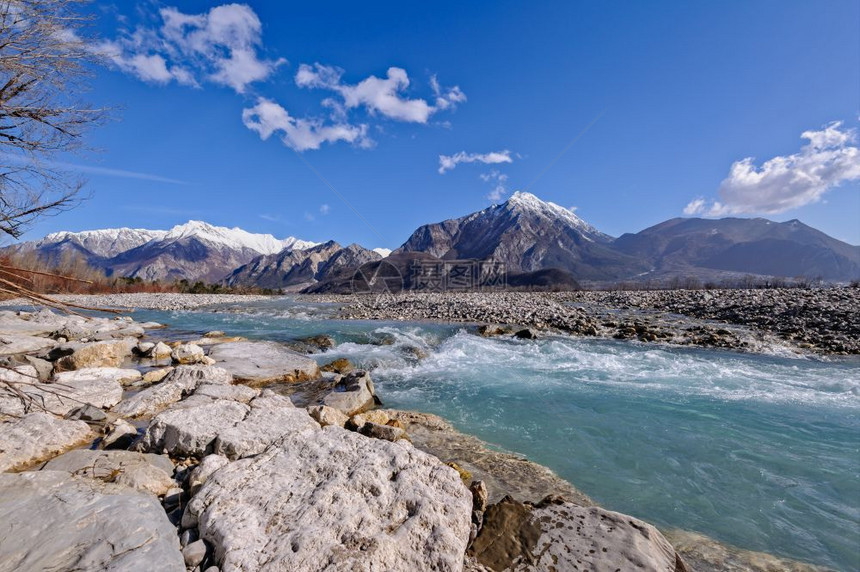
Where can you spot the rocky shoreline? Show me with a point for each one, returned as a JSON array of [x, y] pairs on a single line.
[[191, 456], [823, 321]]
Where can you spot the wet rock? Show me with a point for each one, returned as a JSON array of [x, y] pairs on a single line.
[[340, 365], [91, 525], [353, 394], [326, 416], [144, 472], [526, 334], [259, 363], [558, 534], [316, 343], [97, 354], [296, 504], [180, 382], [187, 354], [492, 330], [38, 436]]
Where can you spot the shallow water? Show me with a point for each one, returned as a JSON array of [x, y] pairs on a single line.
[[760, 452]]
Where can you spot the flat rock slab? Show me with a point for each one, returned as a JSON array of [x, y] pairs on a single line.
[[190, 429], [141, 471], [181, 381], [58, 522], [11, 344], [37, 437], [271, 417], [99, 387], [258, 363], [331, 499], [555, 534]]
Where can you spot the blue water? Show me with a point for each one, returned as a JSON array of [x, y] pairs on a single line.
[[756, 451]]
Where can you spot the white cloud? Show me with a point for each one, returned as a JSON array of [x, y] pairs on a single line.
[[309, 217], [383, 96], [829, 159], [499, 182], [267, 118], [325, 209], [220, 46], [448, 162]]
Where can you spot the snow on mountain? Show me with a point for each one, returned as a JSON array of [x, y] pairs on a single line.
[[105, 242], [523, 201], [383, 252], [235, 238]]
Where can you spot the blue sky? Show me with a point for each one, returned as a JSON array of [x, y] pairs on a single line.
[[657, 105]]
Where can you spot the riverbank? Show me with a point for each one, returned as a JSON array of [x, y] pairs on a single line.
[[823, 321]]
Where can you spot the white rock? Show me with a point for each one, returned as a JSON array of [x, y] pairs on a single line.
[[180, 382], [240, 393], [141, 471], [160, 351], [325, 415], [119, 434], [353, 394], [21, 344], [332, 499], [187, 354], [97, 354], [208, 465], [99, 387], [271, 417], [191, 430], [263, 362], [36, 437], [62, 522]]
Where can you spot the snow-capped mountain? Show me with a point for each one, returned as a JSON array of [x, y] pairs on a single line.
[[106, 242], [193, 251], [235, 238], [527, 234]]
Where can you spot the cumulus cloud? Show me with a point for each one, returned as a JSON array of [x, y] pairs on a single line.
[[268, 117], [382, 96], [220, 46], [448, 162], [829, 159]]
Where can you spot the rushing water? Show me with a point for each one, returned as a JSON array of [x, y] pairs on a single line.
[[756, 451]]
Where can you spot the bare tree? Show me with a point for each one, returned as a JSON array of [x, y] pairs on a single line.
[[44, 62]]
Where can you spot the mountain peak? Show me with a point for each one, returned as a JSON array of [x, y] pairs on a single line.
[[522, 201], [234, 237]]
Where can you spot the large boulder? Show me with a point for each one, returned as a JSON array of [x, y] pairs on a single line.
[[98, 354], [271, 417], [259, 363], [187, 354], [141, 471], [353, 394], [331, 499], [36, 437], [55, 521], [182, 381], [556, 534], [190, 429], [204, 424]]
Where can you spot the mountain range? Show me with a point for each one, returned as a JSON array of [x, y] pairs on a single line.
[[540, 243]]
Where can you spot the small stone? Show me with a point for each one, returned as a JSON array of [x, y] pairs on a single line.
[[386, 432], [119, 435], [87, 413], [187, 537], [194, 553], [160, 351], [340, 365], [187, 354], [465, 475], [156, 375], [480, 496], [325, 415]]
